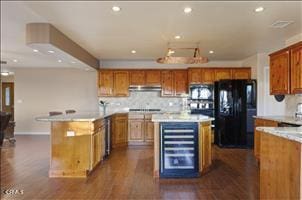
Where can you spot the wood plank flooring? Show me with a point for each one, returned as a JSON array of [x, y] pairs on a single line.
[[127, 174]]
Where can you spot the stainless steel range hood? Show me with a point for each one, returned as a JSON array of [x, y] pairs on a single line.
[[144, 88]]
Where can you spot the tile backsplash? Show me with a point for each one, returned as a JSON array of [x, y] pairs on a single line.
[[291, 102], [146, 100]]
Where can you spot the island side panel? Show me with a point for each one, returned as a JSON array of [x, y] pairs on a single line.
[[205, 146], [70, 156], [280, 168], [156, 150]]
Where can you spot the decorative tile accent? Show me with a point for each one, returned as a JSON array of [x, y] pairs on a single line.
[[143, 100]]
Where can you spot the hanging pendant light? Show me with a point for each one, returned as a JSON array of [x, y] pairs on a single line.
[[169, 59]]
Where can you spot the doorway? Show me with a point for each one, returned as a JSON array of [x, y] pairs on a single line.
[[8, 98]]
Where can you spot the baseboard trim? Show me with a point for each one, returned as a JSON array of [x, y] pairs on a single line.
[[32, 133]]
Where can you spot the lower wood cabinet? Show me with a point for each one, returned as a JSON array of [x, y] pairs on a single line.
[[119, 130], [140, 130], [136, 130], [149, 131], [205, 140], [257, 134]]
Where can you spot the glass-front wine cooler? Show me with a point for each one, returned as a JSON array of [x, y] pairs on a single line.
[[179, 149]]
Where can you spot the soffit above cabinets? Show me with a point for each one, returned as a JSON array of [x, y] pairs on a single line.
[[45, 38]]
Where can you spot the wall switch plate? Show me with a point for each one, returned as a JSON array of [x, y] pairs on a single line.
[[70, 133]]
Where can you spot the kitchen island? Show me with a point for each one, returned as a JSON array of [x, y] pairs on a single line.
[[77, 143], [182, 145], [280, 162]]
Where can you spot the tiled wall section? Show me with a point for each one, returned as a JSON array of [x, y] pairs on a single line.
[[143, 100], [291, 102]]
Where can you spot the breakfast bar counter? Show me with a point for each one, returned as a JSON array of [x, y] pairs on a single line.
[[182, 145], [77, 143]]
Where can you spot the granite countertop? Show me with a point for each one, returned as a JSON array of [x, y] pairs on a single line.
[[76, 117], [166, 117], [286, 119], [290, 133]]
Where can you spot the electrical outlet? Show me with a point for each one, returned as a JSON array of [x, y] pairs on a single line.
[[70, 133]]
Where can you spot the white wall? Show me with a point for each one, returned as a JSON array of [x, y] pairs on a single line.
[[38, 91]]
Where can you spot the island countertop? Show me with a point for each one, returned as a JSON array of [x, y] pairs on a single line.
[[286, 119], [166, 117], [76, 117], [290, 133]]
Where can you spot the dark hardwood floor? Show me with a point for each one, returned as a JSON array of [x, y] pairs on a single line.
[[127, 174]]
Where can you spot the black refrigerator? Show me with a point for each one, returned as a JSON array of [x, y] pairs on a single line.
[[235, 106]]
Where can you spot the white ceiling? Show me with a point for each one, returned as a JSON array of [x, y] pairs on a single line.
[[232, 29]]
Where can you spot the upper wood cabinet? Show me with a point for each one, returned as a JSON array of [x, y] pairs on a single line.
[[121, 83], [194, 75], [106, 83], [286, 70], [137, 77], [180, 82], [167, 83], [241, 73], [296, 69], [113, 83], [174, 82], [223, 73], [152, 77], [207, 75], [279, 73]]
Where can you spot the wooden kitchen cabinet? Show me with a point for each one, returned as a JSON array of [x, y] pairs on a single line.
[[106, 83], [136, 130], [279, 72], [207, 75], [241, 73], [149, 131], [194, 75], [137, 77], [121, 83], [206, 144], [141, 130], [167, 83], [119, 132], [96, 148], [257, 134], [296, 69], [152, 77], [223, 73], [180, 82]]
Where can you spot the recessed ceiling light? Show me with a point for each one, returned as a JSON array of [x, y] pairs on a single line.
[[211, 52], [15, 60], [87, 69], [133, 51], [177, 37], [188, 10], [59, 61], [116, 8], [50, 51], [259, 9], [35, 50], [4, 73], [73, 62]]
